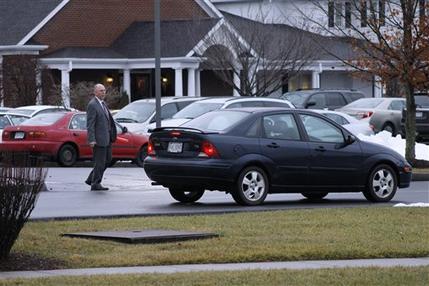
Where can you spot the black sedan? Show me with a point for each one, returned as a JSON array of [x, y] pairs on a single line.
[[250, 153]]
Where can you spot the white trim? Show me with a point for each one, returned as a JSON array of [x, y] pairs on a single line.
[[19, 50], [209, 34], [209, 8], [43, 23], [87, 63]]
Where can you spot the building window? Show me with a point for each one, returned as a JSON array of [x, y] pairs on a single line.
[[348, 14], [331, 13], [338, 14], [363, 14]]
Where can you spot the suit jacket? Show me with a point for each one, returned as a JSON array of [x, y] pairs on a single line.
[[101, 126]]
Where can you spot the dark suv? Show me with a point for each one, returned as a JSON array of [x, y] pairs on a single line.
[[320, 98], [422, 118]]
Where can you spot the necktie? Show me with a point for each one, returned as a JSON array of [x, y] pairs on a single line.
[[105, 108]]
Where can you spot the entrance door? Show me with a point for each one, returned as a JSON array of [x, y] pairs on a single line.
[[141, 86]]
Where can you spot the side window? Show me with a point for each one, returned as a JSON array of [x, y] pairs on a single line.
[[320, 130], [335, 99], [280, 126], [253, 130], [168, 110], [396, 105], [319, 99], [78, 122], [234, 105]]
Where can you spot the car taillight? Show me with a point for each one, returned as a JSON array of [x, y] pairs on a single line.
[[150, 149], [5, 135], [362, 115], [208, 150], [36, 134]]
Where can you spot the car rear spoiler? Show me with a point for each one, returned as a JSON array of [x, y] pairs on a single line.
[[189, 129]]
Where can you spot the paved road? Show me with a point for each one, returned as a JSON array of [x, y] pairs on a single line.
[[131, 193]]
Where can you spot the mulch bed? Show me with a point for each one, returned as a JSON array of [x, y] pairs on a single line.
[[20, 262]]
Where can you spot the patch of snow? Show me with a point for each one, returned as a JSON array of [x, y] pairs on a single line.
[[396, 143], [413, 205]]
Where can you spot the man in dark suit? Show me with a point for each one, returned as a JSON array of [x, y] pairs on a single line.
[[101, 134]]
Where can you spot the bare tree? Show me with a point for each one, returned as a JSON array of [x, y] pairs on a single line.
[[255, 58], [21, 180], [390, 39]]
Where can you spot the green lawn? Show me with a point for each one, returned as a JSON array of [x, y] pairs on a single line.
[[245, 237], [397, 276]]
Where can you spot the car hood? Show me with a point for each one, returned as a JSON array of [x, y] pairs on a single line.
[[378, 148]]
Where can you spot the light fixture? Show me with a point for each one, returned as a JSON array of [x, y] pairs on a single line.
[[109, 78], [164, 80]]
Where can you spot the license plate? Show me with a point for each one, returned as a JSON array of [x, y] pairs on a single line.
[[419, 114], [19, 135], [175, 147]]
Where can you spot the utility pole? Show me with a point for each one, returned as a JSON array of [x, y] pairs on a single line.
[[157, 25]]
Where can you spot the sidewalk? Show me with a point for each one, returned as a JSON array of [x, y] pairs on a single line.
[[294, 265]]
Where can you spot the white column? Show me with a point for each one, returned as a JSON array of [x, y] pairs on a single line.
[[1, 81], [178, 82], [127, 83], [39, 98], [198, 83], [191, 82], [237, 82], [65, 86], [378, 87], [315, 79]]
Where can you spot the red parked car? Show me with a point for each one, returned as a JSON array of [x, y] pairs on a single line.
[[62, 137]]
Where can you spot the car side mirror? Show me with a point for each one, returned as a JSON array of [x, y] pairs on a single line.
[[350, 140], [124, 129], [309, 104]]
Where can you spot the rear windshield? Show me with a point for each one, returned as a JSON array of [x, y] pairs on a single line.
[[365, 103], [136, 112], [217, 120], [44, 119], [422, 101], [196, 109], [24, 111]]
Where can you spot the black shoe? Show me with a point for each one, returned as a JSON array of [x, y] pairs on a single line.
[[88, 182], [98, 187]]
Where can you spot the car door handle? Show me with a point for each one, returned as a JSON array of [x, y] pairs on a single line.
[[273, 145], [320, 149]]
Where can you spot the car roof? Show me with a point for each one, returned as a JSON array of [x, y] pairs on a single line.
[[305, 91], [14, 113], [241, 98], [40, 107], [170, 99]]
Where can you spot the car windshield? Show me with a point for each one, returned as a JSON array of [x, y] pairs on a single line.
[[136, 112], [17, 119], [44, 119], [422, 101], [216, 120], [196, 109], [297, 99], [365, 103]]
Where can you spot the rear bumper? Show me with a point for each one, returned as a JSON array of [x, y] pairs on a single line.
[[404, 180], [41, 148], [207, 173]]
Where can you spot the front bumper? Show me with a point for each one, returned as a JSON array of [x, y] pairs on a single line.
[[206, 173]]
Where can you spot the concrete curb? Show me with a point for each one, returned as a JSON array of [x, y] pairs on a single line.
[[167, 269]]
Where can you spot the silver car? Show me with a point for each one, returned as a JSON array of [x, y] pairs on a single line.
[[383, 113]]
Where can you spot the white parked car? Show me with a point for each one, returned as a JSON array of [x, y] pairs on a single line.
[[33, 110], [352, 124], [137, 115], [11, 119], [201, 107]]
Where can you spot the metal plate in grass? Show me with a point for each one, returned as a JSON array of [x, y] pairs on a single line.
[[143, 236]]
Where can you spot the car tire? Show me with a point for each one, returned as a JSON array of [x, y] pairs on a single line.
[[382, 184], [252, 187], [141, 155], [389, 128], [184, 195], [315, 196], [67, 155]]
